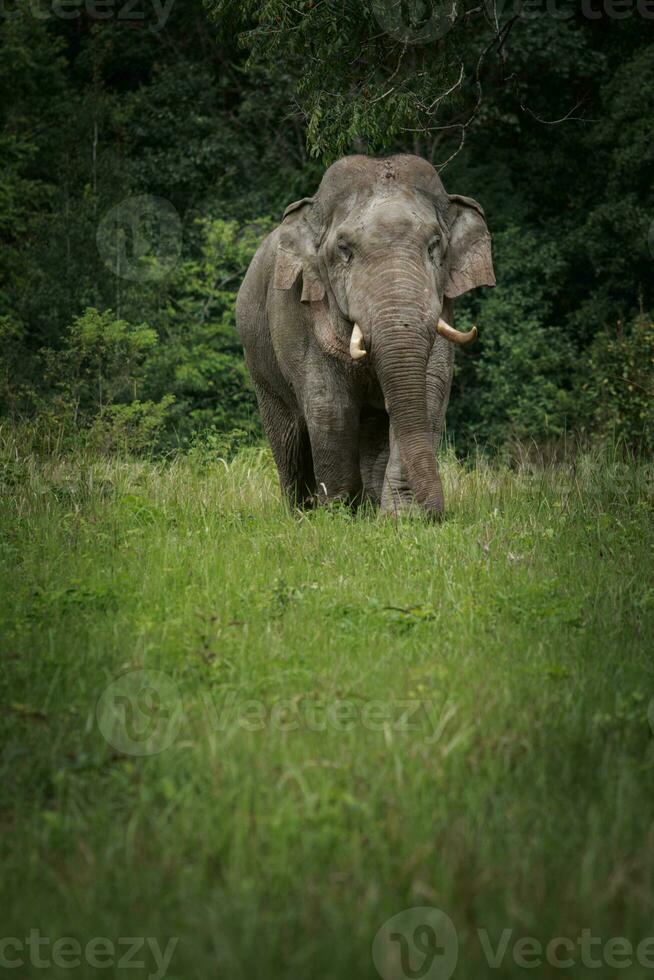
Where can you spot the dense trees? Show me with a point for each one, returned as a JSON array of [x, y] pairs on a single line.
[[542, 113]]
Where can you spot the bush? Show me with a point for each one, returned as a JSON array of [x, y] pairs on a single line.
[[516, 381], [621, 386], [91, 388], [179, 378], [200, 359], [16, 368]]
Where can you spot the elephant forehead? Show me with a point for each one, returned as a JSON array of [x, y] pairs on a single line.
[[401, 215]]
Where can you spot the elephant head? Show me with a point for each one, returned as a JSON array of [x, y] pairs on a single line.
[[380, 248]]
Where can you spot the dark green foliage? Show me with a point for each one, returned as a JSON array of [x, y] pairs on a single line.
[[517, 382], [230, 113], [91, 388], [621, 384], [201, 360]]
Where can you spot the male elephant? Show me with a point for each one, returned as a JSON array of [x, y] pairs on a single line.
[[345, 315]]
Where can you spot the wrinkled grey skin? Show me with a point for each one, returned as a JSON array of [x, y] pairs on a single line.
[[380, 244]]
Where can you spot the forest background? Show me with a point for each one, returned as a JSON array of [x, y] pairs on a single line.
[[148, 148]]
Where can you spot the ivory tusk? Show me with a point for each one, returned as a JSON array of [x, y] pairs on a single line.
[[357, 350], [456, 336]]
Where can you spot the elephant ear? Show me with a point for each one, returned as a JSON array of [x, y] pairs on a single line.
[[297, 250], [469, 259]]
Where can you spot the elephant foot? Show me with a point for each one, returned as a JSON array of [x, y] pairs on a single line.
[[351, 496], [400, 501]]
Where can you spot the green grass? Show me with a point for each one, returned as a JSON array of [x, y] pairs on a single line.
[[295, 811]]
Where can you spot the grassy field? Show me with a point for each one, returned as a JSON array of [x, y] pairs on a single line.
[[264, 734]]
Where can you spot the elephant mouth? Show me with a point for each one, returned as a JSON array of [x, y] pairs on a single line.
[[358, 349]]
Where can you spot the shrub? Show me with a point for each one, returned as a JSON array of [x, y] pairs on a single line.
[[200, 359], [620, 389], [516, 381], [92, 386], [17, 391]]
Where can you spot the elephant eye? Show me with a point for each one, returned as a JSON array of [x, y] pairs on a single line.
[[434, 246], [345, 252]]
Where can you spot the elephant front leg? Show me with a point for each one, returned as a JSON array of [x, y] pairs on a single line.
[[289, 442], [333, 418], [397, 495]]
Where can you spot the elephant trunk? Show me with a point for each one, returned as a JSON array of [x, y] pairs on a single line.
[[403, 334]]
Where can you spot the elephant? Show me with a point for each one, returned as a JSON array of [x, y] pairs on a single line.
[[346, 320]]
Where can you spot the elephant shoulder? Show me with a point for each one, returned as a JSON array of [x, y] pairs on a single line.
[[262, 264], [253, 293]]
